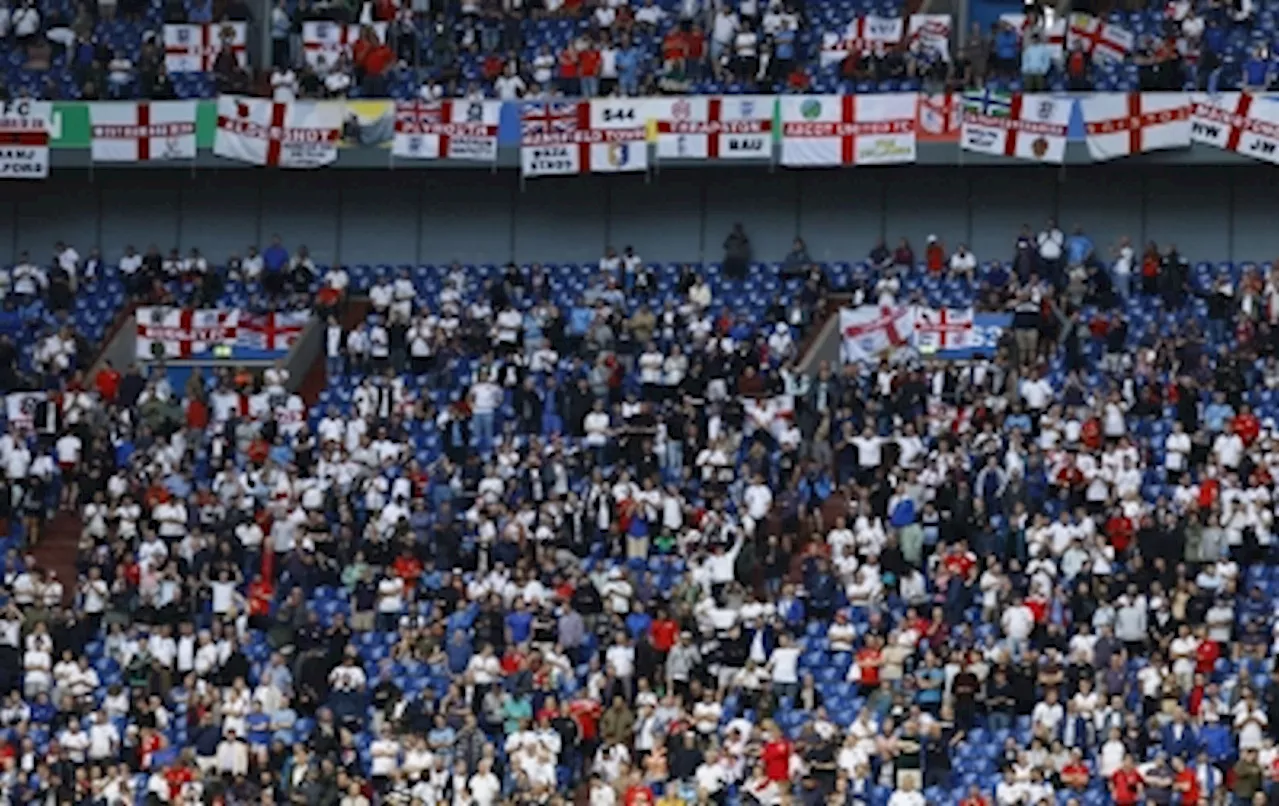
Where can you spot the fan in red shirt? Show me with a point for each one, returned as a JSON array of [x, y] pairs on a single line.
[[959, 561], [868, 660], [1185, 783], [1207, 653], [107, 382], [493, 66], [975, 798], [152, 742], [177, 776], [568, 70], [408, 568], [197, 414], [935, 256], [589, 62], [1119, 530], [586, 712], [1126, 784], [638, 795], [1075, 774], [674, 45], [1038, 605], [1091, 434], [695, 43], [1246, 426], [663, 632], [776, 756], [512, 660]]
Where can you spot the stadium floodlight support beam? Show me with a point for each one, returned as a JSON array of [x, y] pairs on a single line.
[[260, 50]]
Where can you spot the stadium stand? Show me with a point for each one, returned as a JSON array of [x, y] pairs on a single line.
[[64, 50], [586, 532]]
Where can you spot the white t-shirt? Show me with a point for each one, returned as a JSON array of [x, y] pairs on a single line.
[[1037, 393], [509, 88], [284, 86], [223, 595], [1050, 243], [103, 739], [486, 397], [1017, 622], [1124, 261], [384, 754], [785, 663], [484, 788], [391, 595]]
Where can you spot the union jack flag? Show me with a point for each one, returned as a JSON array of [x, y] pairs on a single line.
[[411, 117], [549, 117]]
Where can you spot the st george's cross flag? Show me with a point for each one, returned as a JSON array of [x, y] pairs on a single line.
[[193, 48], [735, 127], [325, 42], [1101, 40], [943, 329], [868, 34], [869, 332], [1025, 126], [1240, 122], [1118, 124], [142, 131], [303, 134], [448, 129], [829, 130]]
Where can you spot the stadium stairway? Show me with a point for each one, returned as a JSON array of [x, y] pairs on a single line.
[[57, 549], [313, 383]]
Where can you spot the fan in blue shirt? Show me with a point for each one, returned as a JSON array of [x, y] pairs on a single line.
[[258, 723]]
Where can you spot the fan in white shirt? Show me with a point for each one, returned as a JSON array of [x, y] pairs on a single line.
[[509, 86]]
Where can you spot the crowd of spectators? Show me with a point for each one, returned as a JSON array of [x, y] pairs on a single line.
[[110, 50], [538, 542]]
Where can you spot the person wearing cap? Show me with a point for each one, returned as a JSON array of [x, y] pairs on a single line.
[[935, 256]]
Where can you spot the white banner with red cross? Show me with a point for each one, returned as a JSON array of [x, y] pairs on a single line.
[[193, 48], [196, 333], [170, 332], [1237, 121], [449, 129], [1101, 40], [872, 332], [830, 130], [304, 134], [142, 131], [733, 127], [325, 42], [1119, 124]]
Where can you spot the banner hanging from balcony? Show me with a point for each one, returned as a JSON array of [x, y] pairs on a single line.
[[565, 138], [193, 48], [142, 131], [832, 130], [1026, 126], [1121, 124], [737, 127], [1237, 121], [303, 134], [452, 129], [24, 138], [194, 334]]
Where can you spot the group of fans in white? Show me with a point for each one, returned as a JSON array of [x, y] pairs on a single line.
[[631, 546]]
